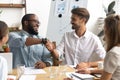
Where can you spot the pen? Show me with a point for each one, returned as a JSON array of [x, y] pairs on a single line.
[[77, 76]]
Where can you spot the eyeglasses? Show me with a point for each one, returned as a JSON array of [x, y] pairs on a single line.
[[36, 21]]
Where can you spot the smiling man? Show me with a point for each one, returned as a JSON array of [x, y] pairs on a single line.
[[79, 47], [26, 45]]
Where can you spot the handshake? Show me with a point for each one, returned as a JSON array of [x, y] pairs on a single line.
[[49, 45]]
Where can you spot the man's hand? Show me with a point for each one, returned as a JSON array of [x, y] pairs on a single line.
[[50, 46], [40, 65], [83, 71], [82, 65]]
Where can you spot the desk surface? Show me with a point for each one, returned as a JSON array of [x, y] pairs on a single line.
[[59, 75]]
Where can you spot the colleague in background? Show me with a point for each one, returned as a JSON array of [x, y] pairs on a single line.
[[3, 39], [111, 70], [79, 47], [27, 45]]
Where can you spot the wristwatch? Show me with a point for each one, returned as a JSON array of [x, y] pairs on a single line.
[[47, 64], [44, 40]]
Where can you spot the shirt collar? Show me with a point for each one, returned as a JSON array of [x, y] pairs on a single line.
[[86, 35], [26, 33]]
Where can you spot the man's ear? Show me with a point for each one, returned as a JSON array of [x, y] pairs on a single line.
[[25, 22], [84, 19]]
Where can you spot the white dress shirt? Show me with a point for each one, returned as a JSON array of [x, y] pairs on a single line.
[[80, 49], [3, 69]]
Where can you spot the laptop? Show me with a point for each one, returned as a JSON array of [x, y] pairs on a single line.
[[8, 57]]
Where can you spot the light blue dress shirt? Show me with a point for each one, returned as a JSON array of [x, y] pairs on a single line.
[[27, 55]]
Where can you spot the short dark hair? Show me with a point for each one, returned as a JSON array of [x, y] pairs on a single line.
[[3, 29], [81, 12], [25, 18]]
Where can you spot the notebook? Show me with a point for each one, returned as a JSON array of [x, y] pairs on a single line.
[[8, 57]]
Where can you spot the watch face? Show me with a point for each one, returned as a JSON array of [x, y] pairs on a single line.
[[44, 40], [47, 63]]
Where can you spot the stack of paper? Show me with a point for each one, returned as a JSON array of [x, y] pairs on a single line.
[[31, 70], [80, 76], [27, 77]]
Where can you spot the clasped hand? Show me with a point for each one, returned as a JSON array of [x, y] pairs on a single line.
[[50, 46], [83, 68], [40, 65]]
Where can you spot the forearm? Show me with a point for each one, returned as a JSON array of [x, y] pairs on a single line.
[[106, 76], [96, 71], [31, 41], [94, 64], [55, 54]]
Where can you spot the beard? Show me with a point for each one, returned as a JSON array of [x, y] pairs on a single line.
[[31, 30], [73, 27]]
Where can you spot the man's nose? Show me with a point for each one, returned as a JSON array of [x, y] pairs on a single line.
[[38, 24]]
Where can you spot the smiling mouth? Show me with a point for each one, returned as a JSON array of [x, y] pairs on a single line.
[[36, 30]]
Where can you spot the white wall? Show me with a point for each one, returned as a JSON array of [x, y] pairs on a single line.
[[12, 16], [41, 8], [96, 11]]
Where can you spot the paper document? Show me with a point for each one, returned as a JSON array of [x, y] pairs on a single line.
[[32, 70], [72, 66], [27, 77], [68, 74], [80, 76]]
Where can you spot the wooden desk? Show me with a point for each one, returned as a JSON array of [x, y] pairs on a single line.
[[59, 76]]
